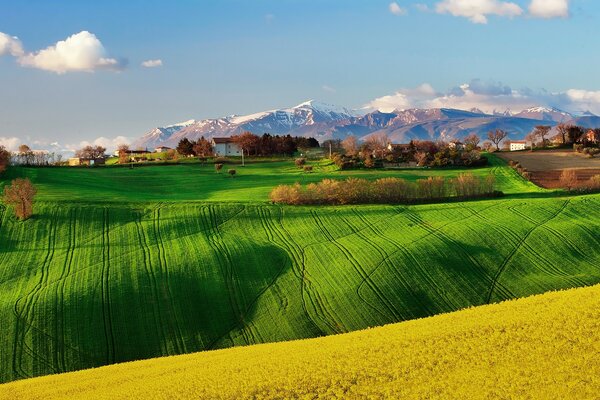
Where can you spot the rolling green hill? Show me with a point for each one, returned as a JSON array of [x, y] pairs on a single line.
[[88, 284]]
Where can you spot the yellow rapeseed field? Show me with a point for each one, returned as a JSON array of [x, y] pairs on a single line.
[[542, 347]]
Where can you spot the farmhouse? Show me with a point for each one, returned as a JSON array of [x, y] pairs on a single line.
[[80, 161], [224, 146], [161, 149], [516, 145], [400, 148], [455, 145]]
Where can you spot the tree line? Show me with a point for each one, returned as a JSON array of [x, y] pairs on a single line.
[[385, 190]]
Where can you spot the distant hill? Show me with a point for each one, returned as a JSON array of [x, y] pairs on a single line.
[[323, 121], [538, 347]]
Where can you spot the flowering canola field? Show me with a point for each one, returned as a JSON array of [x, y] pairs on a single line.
[[541, 347]]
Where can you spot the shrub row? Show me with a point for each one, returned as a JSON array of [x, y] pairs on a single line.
[[385, 190]]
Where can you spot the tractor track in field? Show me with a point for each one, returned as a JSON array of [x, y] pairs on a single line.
[[360, 232], [516, 249], [60, 293], [573, 249], [105, 289], [562, 239], [221, 253], [296, 253], [162, 259], [22, 316], [405, 250], [357, 267], [147, 257], [399, 247]]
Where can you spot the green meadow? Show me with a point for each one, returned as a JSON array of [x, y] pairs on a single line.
[[121, 264]]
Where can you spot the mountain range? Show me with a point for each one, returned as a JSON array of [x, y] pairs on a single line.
[[323, 121]]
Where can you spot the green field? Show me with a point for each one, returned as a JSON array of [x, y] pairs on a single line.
[[145, 262], [197, 182]]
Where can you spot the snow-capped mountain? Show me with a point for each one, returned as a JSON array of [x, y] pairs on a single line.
[[323, 121], [545, 114], [311, 118]]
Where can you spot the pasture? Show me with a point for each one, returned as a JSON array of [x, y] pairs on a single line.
[[197, 182], [89, 284], [540, 347]]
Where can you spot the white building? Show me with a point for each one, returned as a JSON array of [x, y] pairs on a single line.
[[224, 146], [517, 145]]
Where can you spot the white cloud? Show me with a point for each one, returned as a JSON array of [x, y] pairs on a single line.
[[422, 7], [152, 63], [549, 8], [396, 9], [478, 10], [10, 143], [79, 52], [328, 88], [269, 18], [10, 45], [488, 97]]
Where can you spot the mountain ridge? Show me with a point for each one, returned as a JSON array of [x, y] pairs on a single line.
[[324, 121]]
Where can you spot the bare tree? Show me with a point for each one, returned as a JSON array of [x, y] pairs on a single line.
[[472, 140], [25, 154], [91, 152], [568, 179], [377, 144], [496, 137], [563, 132], [20, 195], [542, 131], [350, 145]]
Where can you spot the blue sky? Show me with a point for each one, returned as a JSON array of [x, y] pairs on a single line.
[[225, 57]]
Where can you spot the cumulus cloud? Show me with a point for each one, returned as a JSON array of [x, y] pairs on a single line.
[[110, 144], [488, 97], [478, 10], [152, 63], [10, 45], [396, 9], [79, 52], [549, 8], [10, 143], [82, 51]]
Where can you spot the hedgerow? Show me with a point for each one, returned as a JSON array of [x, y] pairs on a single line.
[[385, 190]]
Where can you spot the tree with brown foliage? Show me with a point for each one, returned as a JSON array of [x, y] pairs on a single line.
[[248, 142], [376, 145], [123, 152], [20, 195], [4, 159], [203, 148], [496, 137]]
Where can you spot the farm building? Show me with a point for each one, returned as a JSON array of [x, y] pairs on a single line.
[[401, 148], [224, 146], [517, 145], [161, 149], [455, 145], [79, 161]]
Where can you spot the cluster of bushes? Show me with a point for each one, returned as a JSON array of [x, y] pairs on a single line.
[[568, 180], [521, 170], [268, 145], [589, 151], [385, 190], [422, 153]]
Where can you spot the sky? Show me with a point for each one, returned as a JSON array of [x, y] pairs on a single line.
[[78, 72]]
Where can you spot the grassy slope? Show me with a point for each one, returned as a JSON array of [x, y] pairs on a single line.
[[546, 346], [187, 182], [84, 286]]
